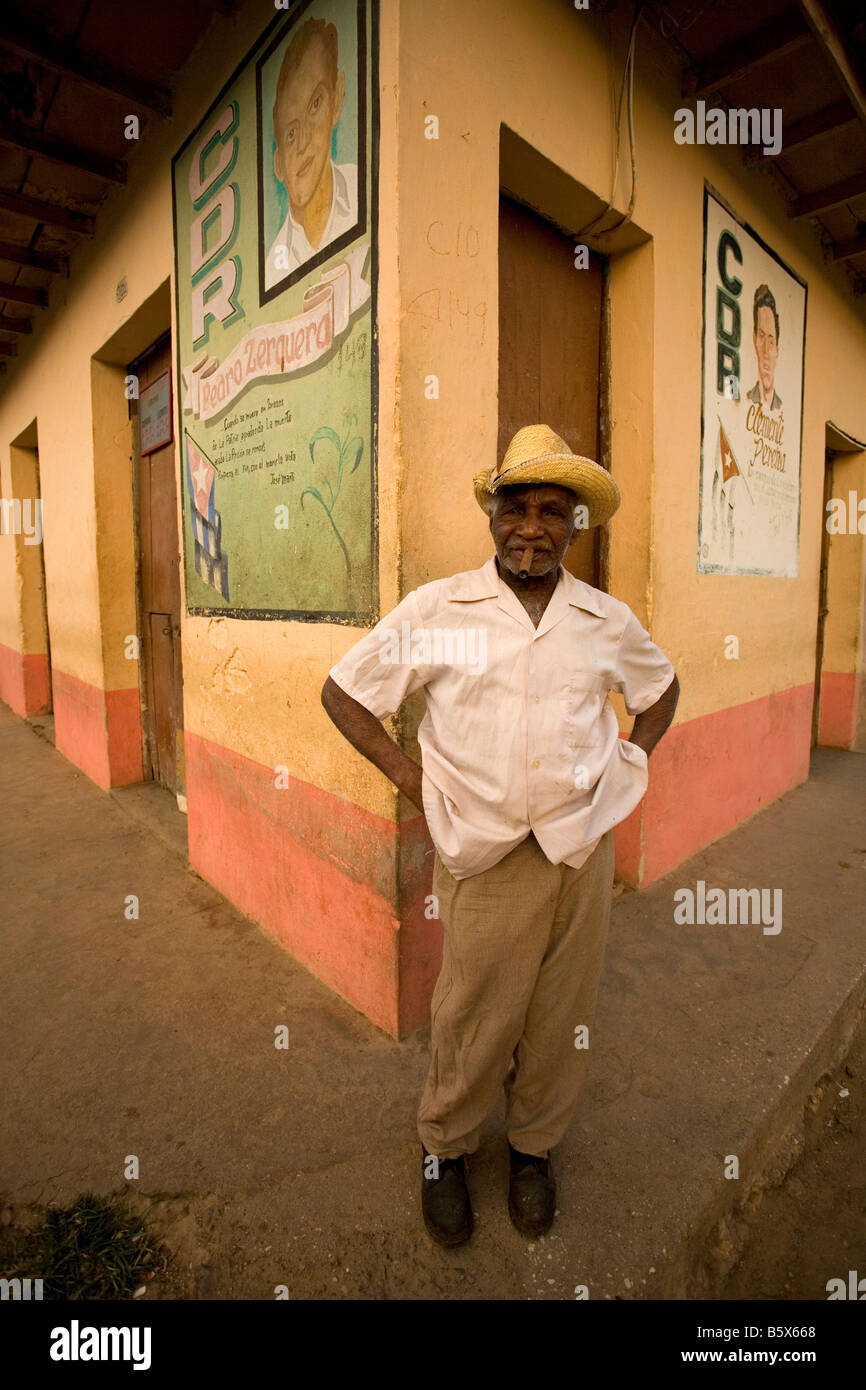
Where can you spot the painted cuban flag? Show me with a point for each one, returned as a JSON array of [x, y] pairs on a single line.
[[726, 462], [210, 561], [202, 475]]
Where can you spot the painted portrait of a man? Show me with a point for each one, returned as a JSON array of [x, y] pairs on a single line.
[[765, 319], [321, 192]]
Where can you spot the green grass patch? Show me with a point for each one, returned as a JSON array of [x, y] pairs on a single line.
[[93, 1249]]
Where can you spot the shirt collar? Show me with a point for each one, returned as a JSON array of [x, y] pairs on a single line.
[[341, 188], [485, 583]]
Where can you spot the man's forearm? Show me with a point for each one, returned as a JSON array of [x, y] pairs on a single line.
[[649, 726], [366, 733]]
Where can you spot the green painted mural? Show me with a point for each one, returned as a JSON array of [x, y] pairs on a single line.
[[275, 206]]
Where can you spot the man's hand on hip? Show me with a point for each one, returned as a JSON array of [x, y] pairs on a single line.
[[365, 732], [649, 726]]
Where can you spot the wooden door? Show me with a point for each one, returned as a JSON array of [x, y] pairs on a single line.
[[550, 316], [159, 587], [822, 596], [43, 592]]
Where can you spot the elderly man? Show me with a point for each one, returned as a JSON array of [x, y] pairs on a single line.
[[523, 777]]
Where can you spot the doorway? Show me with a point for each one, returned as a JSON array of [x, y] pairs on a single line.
[[158, 568], [30, 562], [44, 716], [550, 345], [823, 608]]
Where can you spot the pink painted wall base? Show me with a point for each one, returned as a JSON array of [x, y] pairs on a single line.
[[711, 774], [315, 871], [840, 703], [350, 895], [98, 730], [25, 682]]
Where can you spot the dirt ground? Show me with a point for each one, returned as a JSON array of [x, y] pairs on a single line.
[[153, 1037], [812, 1227], [808, 1229]]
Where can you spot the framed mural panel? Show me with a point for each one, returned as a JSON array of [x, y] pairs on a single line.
[[275, 279], [754, 332]]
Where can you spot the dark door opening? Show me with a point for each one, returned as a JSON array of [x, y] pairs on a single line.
[[550, 345], [43, 600], [822, 596], [26, 487], [158, 585]]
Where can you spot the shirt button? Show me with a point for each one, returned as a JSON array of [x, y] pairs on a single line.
[[535, 697], [536, 763]]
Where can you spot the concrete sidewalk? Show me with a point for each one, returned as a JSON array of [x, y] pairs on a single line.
[[155, 1037]]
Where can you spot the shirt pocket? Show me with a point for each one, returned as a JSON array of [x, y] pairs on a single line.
[[585, 698]]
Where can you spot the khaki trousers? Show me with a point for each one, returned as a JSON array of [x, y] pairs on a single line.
[[522, 954]]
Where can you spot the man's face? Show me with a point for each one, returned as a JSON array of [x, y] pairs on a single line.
[[766, 348], [537, 514], [308, 110]]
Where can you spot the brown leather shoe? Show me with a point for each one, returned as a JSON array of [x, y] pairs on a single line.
[[531, 1193], [445, 1199]]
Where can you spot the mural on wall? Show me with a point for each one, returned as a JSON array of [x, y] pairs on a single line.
[[274, 205], [753, 348]]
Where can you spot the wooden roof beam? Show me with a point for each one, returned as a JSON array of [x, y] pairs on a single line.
[[832, 44], [846, 250], [808, 204], [18, 36], [810, 128], [52, 214], [22, 255], [8, 349], [788, 31], [23, 294], [16, 136], [8, 325]]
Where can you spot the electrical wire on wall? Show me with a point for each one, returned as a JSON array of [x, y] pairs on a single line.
[[685, 22], [626, 87]]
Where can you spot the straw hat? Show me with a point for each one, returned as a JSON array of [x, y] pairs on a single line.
[[537, 455]]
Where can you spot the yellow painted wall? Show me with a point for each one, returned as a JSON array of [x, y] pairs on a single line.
[[843, 649], [548, 72]]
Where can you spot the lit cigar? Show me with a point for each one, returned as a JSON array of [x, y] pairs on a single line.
[[526, 562]]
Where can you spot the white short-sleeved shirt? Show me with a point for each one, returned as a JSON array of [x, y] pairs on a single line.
[[292, 239], [519, 734]]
